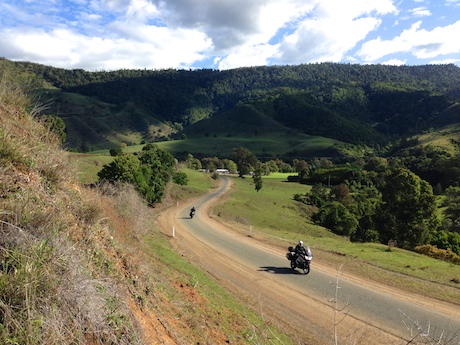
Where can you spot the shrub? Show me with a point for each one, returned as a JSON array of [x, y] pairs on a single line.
[[440, 254], [180, 178]]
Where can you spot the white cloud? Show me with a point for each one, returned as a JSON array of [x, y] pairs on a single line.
[[419, 42], [248, 56], [421, 12], [63, 48], [333, 29], [111, 34], [394, 62]]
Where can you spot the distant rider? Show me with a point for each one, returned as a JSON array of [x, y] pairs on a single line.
[[192, 212]]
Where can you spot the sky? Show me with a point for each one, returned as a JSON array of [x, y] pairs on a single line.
[[107, 35]]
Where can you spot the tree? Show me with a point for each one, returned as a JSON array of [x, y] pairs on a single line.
[[180, 178], [116, 152], [258, 179], [193, 163], [318, 195], [337, 217], [452, 213], [122, 168], [230, 165], [148, 171], [340, 193], [210, 163], [246, 161], [408, 210]]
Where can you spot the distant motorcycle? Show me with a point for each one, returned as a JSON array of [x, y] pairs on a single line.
[[301, 261], [192, 212]]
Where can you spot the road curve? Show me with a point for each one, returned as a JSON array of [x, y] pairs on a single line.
[[301, 304]]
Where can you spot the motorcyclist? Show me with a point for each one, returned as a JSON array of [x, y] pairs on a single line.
[[300, 248], [192, 211], [300, 257], [300, 252]]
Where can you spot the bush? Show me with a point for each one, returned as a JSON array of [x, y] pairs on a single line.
[[440, 254], [180, 178]]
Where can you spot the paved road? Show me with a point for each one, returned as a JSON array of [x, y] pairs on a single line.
[[384, 311]]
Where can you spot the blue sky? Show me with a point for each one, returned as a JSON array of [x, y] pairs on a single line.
[[222, 34]]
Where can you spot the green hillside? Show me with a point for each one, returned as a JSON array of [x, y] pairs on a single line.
[[247, 126], [372, 105]]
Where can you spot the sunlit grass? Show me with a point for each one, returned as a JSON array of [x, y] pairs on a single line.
[[89, 165]]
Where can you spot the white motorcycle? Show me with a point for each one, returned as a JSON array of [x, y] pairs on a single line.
[[301, 261]]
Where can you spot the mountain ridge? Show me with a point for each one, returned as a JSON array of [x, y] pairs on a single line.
[[372, 105]]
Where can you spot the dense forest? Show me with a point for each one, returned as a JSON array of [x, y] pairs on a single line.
[[357, 104]]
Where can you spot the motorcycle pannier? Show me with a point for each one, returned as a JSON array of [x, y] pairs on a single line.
[[289, 256]]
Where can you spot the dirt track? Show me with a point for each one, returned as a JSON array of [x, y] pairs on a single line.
[[309, 320]]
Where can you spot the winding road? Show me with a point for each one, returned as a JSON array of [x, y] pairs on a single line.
[[313, 308]]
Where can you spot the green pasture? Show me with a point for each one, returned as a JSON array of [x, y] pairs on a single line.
[[262, 146], [443, 138], [89, 165], [269, 146], [272, 208]]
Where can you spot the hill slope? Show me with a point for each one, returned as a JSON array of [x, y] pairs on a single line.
[[372, 105]]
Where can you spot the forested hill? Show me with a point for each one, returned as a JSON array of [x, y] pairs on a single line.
[[371, 104]]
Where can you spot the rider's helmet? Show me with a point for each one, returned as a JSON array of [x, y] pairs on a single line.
[[300, 243]]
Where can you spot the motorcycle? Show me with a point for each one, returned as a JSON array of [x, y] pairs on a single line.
[[192, 213], [301, 261]]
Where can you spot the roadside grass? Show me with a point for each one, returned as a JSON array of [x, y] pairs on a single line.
[[272, 209], [275, 216], [55, 283], [200, 300]]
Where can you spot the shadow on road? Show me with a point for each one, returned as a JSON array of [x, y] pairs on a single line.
[[279, 270]]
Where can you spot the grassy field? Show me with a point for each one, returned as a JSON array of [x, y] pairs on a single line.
[[89, 165], [443, 138], [223, 146]]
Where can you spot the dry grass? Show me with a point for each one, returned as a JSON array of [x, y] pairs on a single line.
[[55, 283]]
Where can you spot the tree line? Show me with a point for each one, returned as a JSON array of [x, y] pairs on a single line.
[[382, 200]]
